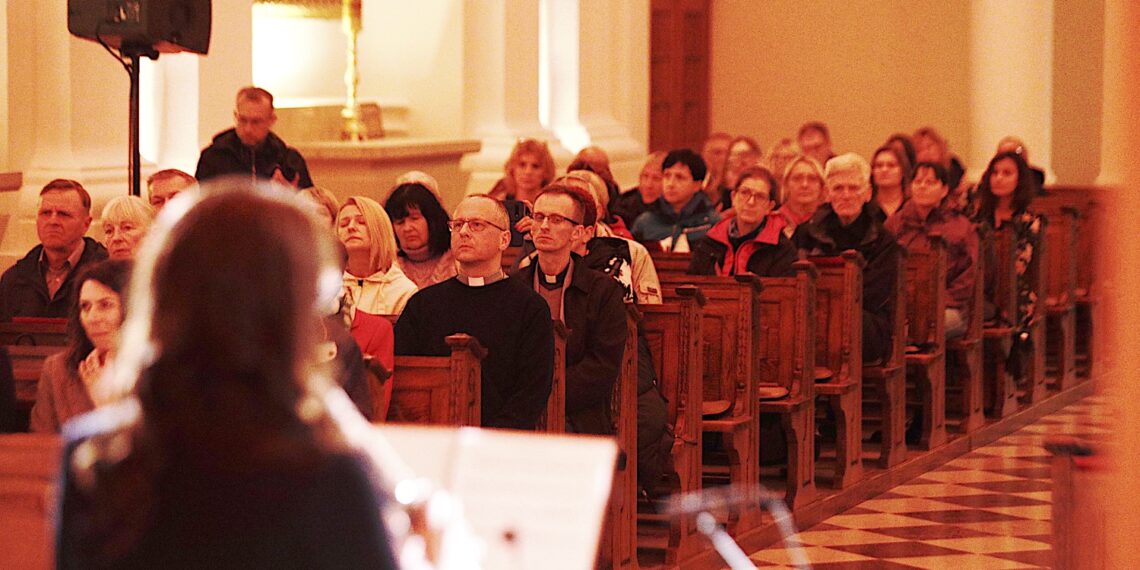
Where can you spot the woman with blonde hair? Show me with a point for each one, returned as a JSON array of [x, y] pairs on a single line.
[[803, 193], [125, 222], [529, 168], [373, 281]]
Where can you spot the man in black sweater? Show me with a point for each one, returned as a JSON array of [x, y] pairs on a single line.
[[505, 315]]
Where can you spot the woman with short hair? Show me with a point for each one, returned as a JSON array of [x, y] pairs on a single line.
[[125, 222], [804, 191], [373, 281], [890, 179]]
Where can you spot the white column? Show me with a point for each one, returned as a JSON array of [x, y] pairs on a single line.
[[79, 98], [1119, 281], [613, 88], [1011, 79], [501, 85], [227, 68]]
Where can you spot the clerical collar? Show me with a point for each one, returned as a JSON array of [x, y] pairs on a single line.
[[481, 281], [550, 282]]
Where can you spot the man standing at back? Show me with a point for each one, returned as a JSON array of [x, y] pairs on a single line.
[[39, 285], [504, 315], [251, 147]]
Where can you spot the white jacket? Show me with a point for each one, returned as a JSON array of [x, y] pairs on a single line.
[[382, 293]]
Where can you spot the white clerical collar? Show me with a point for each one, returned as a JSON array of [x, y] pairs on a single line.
[[481, 281]]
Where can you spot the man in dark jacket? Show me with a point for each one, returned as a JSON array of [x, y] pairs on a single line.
[[848, 222], [251, 147], [40, 284], [587, 301], [683, 214]]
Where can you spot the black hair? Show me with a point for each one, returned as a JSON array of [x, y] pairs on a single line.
[[417, 196], [1022, 195], [690, 159], [940, 171]]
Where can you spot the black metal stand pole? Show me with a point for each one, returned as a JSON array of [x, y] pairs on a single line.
[[133, 162]]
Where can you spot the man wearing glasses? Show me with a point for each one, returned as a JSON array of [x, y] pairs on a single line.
[[508, 318], [589, 302]]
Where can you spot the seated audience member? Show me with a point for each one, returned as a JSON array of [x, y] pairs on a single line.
[[1016, 145], [166, 184], [803, 194], [599, 163], [228, 455], [890, 180], [505, 315], [746, 243], [587, 301], [903, 144], [743, 152], [528, 169], [714, 151], [616, 255], [251, 147], [41, 284], [1005, 194], [629, 264], [72, 382], [928, 213], [848, 222], [322, 203], [350, 335], [683, 214], [814, 139], [421, 232], [125, 222], [637, 200], [418, 177], [778, 159], [373, 281], [931, 146]]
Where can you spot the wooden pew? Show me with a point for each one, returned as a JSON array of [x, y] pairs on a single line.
[[786, 362], [27, 363], [1086, 200], [1000, 385], [553, 420], [1060, 295], [968, 383], [442, 390], [1033, 384], [674, 334], [730, 331], [619, 541], [926, 337], [34, 331], [669, 262], [839, 357], [29, 465], [887, 380]]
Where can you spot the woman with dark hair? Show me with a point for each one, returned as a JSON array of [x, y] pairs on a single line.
[[890, 179], [228, 456], [928, 213], [1002, 200], [420, 223], [747, 242], [931, 146], [72, 382]]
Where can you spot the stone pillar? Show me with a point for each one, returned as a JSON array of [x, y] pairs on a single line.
[[1120, 281], [79, 98], [1011, 79], [501, 85], [613, 96]]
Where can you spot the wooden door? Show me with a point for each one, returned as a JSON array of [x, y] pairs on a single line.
[[678, 74]]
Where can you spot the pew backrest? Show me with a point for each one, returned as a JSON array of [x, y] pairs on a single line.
[[673, 331], [925, 278], [787, 324], [441, 390], [838, 315], [34, 331]]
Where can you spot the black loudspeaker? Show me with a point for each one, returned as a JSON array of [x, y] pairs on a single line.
[[168, 26]]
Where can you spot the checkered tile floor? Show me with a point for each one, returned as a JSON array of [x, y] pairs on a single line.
[[987, 509]]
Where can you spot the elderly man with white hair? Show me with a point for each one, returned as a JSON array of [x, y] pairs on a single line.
[[847, 222]]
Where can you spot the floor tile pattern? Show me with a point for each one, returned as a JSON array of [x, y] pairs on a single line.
[[987, 509]]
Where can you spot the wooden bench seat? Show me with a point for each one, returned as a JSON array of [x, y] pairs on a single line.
[[839, 356], [673, 331], [1000, 385], [925, 277], [967, 381], [1060, 294]]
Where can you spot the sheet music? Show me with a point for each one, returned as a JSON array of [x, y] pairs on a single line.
[[537, 500]]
